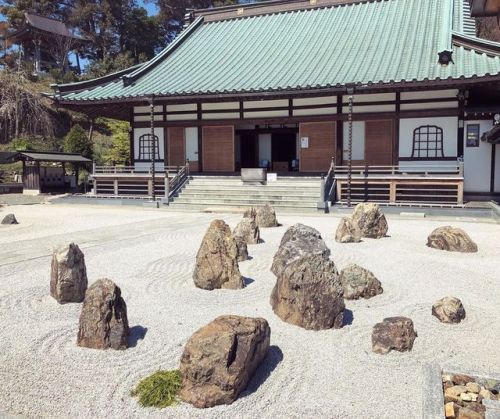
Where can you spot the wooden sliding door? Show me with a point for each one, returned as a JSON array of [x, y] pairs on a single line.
[[321, 147], [176, 150], [379, 142], [218, 149]]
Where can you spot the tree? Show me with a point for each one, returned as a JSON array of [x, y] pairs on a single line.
[[23, 110], [119, 153], [78, 142]]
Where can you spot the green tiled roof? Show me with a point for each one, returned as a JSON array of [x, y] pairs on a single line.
[[375, 42]]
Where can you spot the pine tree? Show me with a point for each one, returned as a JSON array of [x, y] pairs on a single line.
[[78, 142]]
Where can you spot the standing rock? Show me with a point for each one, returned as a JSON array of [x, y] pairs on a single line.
[[248, 230], [298, 240], [103, 320], [217, 259], [449, 310], [370, 221], [68, 276], [242, 249], [451, 239], [393, 333], [308, 293], [220, 358], [9, 219], [347, 232], [266, 217], [359, 283]]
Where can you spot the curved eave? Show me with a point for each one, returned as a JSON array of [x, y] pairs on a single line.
[[89, 84], [312, 91], [477, 44]]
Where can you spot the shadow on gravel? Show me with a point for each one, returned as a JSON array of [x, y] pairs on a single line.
[[248, 281], [272, 360], [136, 334], [348, 317]]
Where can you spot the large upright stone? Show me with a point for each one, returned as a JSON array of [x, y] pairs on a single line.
[[217, 259], [347, 232], [451, 239], [248, 230], [449, 310], [394, 333], [9, 219], [220, 358], [266, 217], [370, 221], [359, 282], [308, 293], [298, 240], [103, 320], [68, 277]]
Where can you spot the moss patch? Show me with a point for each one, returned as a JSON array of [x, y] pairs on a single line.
[[159, 389]]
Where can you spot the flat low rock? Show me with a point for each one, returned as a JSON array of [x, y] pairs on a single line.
[[449, 310], [298, 240], [451, 239], [347, 232], [248, 230], [370, 221], [68, 276], [217, 259], [308, 293], [220, 358], [9, 219], [394, 333], [359, 282], [103, 320]]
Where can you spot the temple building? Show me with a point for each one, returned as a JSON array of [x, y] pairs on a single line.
[[389, 87]]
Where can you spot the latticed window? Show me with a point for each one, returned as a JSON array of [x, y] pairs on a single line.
[[146, 147], [428, 142]]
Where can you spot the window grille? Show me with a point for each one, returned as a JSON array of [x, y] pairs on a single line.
[[146, 147], [427, 142]]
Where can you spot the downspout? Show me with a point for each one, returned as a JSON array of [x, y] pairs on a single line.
[[153, 147], [350, 92]]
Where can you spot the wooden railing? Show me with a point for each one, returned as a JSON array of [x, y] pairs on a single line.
[[404, 184], [132, 182]]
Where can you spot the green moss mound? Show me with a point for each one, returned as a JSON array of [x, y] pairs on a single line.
[[159, 389]]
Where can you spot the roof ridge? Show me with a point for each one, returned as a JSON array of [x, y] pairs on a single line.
[[129, 78]]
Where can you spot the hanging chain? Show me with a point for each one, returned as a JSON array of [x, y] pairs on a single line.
[[349, 169], [153, 147]]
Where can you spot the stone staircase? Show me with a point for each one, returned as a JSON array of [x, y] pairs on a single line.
[[205, 193]]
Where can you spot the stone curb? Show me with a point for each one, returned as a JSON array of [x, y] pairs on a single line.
[[433, 400]]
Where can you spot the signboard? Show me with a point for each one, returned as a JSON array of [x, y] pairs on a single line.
[[304, 142], [272, 177]]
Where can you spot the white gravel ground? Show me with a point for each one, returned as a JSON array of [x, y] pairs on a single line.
[[307, 374]]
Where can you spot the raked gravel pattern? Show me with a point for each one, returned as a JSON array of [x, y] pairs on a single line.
[[151, 256]]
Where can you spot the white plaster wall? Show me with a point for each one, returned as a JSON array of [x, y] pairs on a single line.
[[358, 140], [159, 132], [192, 144], [264, 147], [450, 135], [477, 161]]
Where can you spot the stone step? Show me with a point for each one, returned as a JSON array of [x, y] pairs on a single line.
[[196, 206], [268, 185], [249, 195], [247, 202]]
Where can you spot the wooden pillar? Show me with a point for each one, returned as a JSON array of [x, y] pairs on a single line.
[[395, 153], [493, 164], [200, 138], [461, 124], [340, 132]]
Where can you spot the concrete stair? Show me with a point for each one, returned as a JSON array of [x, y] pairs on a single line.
[[228, 192]]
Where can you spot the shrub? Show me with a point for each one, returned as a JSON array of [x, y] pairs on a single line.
[[159, 389]]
